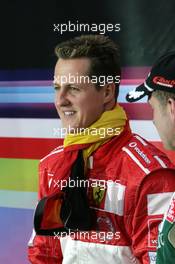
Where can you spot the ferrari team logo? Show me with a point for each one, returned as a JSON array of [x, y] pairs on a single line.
[[98, 194]]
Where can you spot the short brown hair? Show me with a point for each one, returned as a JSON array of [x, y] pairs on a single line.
[[163, 96], [101, 50]]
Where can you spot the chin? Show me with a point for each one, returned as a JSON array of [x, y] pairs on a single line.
[[72, 129]]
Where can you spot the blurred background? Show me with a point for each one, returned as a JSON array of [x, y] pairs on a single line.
[[28, 120]]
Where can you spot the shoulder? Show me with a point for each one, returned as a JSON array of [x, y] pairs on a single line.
[[144, 155], [54, 155]]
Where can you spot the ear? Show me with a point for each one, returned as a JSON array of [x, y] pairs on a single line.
[[109, 92], [171, 109]]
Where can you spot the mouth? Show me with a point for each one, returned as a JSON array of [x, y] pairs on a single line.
[[69, 113]]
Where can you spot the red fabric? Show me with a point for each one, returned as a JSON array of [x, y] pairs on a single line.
[[111, 162]]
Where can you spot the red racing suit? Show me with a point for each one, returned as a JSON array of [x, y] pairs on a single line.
[[139, 182]]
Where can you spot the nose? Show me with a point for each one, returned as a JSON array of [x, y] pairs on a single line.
[[61, 98]]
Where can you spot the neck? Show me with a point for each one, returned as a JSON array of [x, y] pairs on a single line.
[[110, 105]]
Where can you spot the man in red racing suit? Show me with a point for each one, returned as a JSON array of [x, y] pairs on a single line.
[[129, 182]]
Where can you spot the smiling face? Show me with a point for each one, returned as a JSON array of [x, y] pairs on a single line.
[[164, 120], [78, 104]]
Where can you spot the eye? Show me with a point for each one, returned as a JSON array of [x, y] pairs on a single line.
[[56, 88], [74, 88]]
